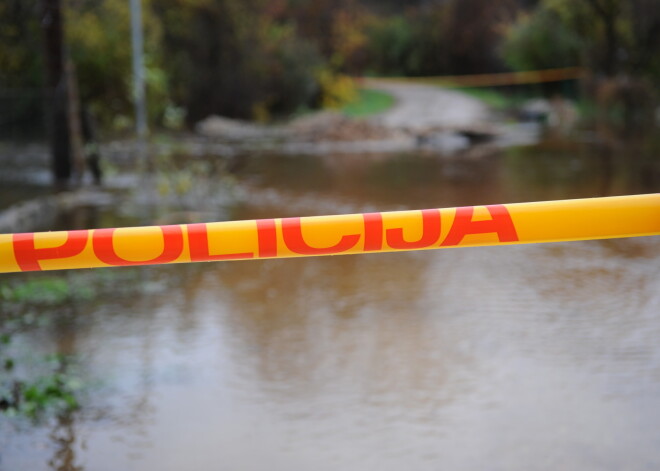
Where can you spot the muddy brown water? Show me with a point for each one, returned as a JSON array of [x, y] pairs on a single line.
[[539, 357]]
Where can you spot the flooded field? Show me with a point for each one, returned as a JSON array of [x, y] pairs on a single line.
[[540, 357]]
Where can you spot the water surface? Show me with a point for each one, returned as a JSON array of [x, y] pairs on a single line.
[[538, 357]]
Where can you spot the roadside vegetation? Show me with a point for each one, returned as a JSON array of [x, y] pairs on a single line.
[[367, 103], [37, 385], [265, 60], [29, 386]]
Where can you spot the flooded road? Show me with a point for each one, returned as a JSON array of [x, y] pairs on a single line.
[[539, 357]]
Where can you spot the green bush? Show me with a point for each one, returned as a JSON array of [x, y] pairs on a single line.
[[452, 37], [54, 392], [99, 40], [541, 41], [230, 58], [392, 47], [46, 291]]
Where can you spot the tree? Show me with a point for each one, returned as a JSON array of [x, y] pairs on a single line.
[[441, 37], [21, 69], [541, 41], [610, 37], [98, 35], [616, 40], [57, 86], [236, 58]]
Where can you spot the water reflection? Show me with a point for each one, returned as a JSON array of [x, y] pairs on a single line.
[[550, 170], [306, 330], [527, 357], [64, 437]]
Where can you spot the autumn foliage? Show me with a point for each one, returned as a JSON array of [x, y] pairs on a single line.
[[268, 59]]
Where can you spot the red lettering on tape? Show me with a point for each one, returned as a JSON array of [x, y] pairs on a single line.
[[373, 231], [293, 238], [105, 251], [500, 224], [267, 238], [28, 256], [430, 232], [198, 238]]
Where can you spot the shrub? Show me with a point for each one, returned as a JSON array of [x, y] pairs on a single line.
[[336, 89], [541, 41]]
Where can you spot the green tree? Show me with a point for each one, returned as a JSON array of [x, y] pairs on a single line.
[[616, 40], [439, 38], [21, 70], [541, 41], [235, 58], [392, 48], [20, 44], [98, 34], [610, 37]]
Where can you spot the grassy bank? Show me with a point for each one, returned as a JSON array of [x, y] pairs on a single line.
[[368, 102]]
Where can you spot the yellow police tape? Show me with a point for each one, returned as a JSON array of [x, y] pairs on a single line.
[[501, 224]]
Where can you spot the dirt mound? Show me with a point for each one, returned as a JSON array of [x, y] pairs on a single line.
[[333, 126]]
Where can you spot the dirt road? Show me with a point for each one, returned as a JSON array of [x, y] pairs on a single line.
[[420, 107]]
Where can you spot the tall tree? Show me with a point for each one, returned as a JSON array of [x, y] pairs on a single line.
[[56, 83]]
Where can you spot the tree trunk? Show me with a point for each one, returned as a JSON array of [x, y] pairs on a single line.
[[75, 125], [56, 84]]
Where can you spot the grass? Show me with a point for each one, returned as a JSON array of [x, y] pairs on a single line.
[[492, 98], [53, 392], [36, 389], [49, 291], [367, 103]]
